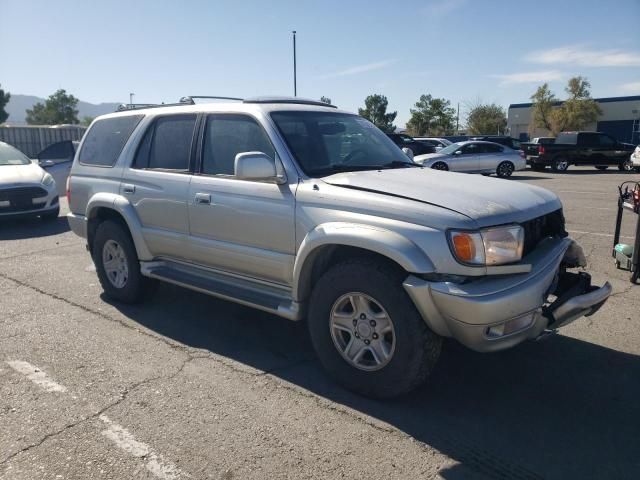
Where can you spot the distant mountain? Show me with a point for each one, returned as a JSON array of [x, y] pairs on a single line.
[[18, 105]]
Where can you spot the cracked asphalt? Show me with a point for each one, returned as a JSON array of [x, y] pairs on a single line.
[[188, 386]]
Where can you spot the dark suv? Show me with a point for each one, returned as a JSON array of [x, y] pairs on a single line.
[[403, 140]]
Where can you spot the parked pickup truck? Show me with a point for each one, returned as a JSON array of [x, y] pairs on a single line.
[[579, 148], [299, 209]]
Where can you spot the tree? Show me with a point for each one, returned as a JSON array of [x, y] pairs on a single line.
[[58, 108], [543, 107], [326, 100], [433, 116], [375, 110], [575, 113], [4, 99], [484, 119]]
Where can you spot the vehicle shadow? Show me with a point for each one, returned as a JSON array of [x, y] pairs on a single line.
[[558, 408], [515, 176], [20, 229]]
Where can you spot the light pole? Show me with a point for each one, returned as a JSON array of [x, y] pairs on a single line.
[[295, 89], [131, 98]]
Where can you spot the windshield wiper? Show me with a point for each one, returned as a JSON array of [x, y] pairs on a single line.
[[400, 163]]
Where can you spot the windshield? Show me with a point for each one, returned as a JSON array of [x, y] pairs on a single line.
[[450, 149], [12, 156], [329, 142]]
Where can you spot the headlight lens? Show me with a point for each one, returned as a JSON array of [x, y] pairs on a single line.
[[47, 179], [491, 246]]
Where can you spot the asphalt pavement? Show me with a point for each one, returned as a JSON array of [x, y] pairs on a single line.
[[188, 386]]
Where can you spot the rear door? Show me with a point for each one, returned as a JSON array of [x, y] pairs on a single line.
[[157, 183], [489, 156]]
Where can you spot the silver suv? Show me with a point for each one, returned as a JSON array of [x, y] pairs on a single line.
[[309, 212]]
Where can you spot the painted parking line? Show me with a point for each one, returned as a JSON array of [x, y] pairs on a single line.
[[127, 442], [36, 375], [610, 235], [119, 435]]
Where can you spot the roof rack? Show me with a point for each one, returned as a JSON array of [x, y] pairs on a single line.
[[292, 100], [138, 106], [189, 99]]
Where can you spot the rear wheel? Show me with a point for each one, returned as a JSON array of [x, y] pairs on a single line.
[[117, 265], [505, 169], [602, 167], [560, 164], [440, 166], [366, 331]]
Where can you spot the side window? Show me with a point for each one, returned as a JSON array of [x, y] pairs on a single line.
[[227, 135], [606, 141], [588, 140], [470, 148], [106, 138], [488, 148], [167, 144]]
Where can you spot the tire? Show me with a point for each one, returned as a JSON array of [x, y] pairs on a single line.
[[560, 164], [538, 168], [626, 166], [440, 166], [412, 354], [602, 167], [635, 276], [505, 169], [117, 236], [49, 216]]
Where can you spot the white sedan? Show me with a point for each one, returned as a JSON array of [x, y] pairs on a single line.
[[475, 157], [25, 188]]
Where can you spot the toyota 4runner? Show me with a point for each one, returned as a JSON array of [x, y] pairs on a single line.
[[306, 211]]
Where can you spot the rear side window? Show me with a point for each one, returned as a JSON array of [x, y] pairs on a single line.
[[488, 148], [105, 139], [167, 144], [567, 138]]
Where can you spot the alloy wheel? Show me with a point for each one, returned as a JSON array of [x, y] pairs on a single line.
[[114, 261]]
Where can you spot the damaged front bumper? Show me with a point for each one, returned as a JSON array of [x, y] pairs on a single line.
[[498, 312]]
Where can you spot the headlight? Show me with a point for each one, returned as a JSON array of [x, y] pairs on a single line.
[[491, 246], [47, 180]]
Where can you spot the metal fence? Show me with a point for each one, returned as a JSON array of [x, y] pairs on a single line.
[[33, 139]]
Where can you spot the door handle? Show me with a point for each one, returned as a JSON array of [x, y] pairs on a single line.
[[128, 188], [203, 198]]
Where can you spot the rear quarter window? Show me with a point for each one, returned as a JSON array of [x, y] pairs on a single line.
[[105, 139], [567, 138]]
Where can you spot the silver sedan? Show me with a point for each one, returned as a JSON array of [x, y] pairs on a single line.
[[475, 157]]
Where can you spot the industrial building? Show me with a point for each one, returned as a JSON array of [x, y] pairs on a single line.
[[620, 118]]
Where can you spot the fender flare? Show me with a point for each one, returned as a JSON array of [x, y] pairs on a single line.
[[122, 206], [388, 243]]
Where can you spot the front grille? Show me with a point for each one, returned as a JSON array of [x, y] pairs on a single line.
[[536, 230], [21, 199]]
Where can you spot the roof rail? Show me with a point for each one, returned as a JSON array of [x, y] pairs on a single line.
[[292, 100], [139, 106], [189, 99]]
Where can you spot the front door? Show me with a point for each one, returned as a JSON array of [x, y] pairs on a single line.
[[243, 227]]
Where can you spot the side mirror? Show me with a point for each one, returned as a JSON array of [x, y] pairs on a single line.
[[46, 163], [408, 152], [257, 166]]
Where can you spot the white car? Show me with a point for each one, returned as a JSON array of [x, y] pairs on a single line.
[[25, 188], [635, 159], [475, 157]]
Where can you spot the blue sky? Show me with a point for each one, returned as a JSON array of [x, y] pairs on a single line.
[[463, 50]]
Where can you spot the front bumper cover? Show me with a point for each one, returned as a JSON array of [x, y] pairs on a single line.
[[466, 312]]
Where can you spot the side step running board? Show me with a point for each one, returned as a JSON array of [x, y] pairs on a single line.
[[246, 292]]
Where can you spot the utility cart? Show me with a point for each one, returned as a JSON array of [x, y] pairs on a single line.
[[627, 256]]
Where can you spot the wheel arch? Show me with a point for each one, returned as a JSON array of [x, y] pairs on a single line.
[[104, 206], [331, 243]]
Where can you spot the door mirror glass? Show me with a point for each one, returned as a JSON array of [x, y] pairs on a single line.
[[257, 166]]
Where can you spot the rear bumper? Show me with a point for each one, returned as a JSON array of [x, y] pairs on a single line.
[[472, 313], [78, 224]]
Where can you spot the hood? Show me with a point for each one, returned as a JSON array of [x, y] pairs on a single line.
[[20, 174], [488, 201], [429, 157]]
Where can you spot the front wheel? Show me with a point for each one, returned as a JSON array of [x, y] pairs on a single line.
[[366, 331], [560, 164], [440, 166], [505, 169], [626, 166]]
